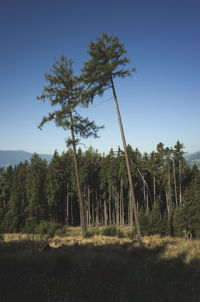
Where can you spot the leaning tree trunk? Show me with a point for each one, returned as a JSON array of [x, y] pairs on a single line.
[[180, 181], [175, 186], [169, 202], [81, 205], [127, 165]]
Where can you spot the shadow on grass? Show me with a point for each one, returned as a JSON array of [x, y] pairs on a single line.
[[113, 273]]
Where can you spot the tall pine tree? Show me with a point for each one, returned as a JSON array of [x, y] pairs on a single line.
[[107, 62], [64, 90]]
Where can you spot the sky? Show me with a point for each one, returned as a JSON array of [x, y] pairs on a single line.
[[159, 103]]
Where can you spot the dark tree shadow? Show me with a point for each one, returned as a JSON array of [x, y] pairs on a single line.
[[109, 273]]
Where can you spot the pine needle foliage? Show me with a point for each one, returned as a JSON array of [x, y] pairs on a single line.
[[108, 60], [64, 90]]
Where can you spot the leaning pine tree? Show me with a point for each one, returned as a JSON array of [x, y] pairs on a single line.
[[64, 89], [107, 61]]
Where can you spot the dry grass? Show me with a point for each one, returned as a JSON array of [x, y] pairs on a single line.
[[99, 269], [172, 248]]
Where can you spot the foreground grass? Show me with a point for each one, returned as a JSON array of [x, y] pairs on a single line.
[[98, 269]]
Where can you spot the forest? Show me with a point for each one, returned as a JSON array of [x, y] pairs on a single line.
[[156, 193], [167, 191]]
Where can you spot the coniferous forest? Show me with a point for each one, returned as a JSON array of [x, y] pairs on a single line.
[[166, 189], [152, 194]]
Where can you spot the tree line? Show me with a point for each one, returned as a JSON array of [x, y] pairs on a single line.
[[167, 191], [108, 188], [67, 91]]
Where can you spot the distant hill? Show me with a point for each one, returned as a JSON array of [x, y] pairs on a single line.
[[15, 157], [193, 158]]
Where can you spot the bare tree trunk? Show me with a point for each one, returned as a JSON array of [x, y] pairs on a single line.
[[81, 205], [67, 206], [147, 205], [113, 210], [121, 203], [130, 210], [72, 213], [97, 210], [110, 213], [144, 194], [117, 207], [175, 186], [89, 212], [93, 214], [180, 181], [127, 165], [169, 202], [105, 213], [154, 188], [110, 206]]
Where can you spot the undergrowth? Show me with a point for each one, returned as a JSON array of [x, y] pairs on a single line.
[[100, 268]]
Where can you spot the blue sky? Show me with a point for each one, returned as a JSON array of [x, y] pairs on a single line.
[[161, 102]]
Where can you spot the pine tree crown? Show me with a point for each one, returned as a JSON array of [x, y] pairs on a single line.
[[64, 89], [107, 60]]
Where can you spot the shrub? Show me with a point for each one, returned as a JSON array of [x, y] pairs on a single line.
[[131, 234], [47, 228], [61, 232], [109, 231], [89, 234], [120, 234]]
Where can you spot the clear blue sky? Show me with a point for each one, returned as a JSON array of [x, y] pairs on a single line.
[[161, 102]]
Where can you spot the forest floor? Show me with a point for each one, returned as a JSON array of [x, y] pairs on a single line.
[[102, 268]]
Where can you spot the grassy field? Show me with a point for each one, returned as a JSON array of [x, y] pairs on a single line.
[[101, 268]]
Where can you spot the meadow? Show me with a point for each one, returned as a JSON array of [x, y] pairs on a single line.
[[35, 268]]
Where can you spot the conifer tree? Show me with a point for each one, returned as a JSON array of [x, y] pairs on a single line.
[[64, 89], [16, 214], [107, 62], [56, 189], [35, 190]]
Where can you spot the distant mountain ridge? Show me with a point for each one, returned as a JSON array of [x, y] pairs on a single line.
[[193, 158], [13, 158]]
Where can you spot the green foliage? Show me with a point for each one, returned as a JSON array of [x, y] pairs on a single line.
[[61, 232], [107, 60], [89, 234], [154, 222], [131, 234], [188, 215], [120, 233], [144, 222], [49, 228], [109, 231], [37, 191], [65, 90]]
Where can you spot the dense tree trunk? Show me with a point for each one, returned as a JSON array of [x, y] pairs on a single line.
[[175, 186], [130, 210], [88, 208], [180, 182], [67, 206], [154, 188], [121, 203], [105, 213], [117, 207], [169, 201], [81, 205], [97, 210]]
